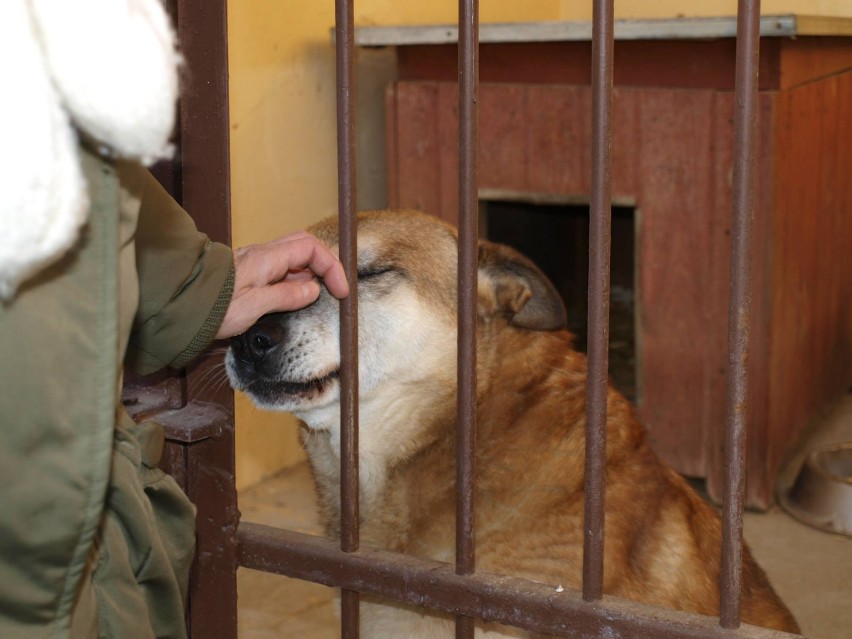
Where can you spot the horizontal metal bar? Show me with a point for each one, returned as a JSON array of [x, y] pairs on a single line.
[[507, 600]]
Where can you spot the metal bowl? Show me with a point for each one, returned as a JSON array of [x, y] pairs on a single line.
[[821, 496]]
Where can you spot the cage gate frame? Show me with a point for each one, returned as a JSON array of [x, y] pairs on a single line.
[[200, 431]]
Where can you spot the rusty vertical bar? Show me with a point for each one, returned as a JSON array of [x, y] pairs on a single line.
[[202, 28], [739, 315], [467, 283], [599, 281], [349, 534]]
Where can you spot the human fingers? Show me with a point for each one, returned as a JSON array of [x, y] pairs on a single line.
[[310, 254], [245, 310], [271, 262], [303, 275], [296, 235]]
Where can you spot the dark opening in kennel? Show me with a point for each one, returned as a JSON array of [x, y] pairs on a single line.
[[556, 238]]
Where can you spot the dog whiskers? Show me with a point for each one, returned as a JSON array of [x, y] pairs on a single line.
[[212, 380]]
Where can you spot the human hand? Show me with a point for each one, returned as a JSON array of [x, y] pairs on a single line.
[[280, 275]]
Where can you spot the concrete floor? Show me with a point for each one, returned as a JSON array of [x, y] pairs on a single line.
[[810, 569]]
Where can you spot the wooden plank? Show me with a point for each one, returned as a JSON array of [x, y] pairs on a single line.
[[392, 123], [502, 136], [447, 122], [625, 136], [706, 64], [702, 64], [718, 291], [811, 354], [558, 126], [528, 63], [675, 195], [760, 478], [798, 145], [418, 160], [758, 481], [807, 59]]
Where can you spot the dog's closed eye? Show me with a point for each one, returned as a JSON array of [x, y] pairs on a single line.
[[377, 270]]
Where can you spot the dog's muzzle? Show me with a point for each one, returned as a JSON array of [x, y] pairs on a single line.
[[258, 344], [261, 363]]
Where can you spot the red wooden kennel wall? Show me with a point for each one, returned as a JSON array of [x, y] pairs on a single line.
[[673, 108], [200, 425]]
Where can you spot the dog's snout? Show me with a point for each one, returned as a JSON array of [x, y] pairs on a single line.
[[257, 342]]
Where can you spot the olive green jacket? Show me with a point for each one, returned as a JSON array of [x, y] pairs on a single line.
[[94, 540]]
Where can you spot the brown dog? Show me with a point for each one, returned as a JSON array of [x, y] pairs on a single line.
[[661, 541]]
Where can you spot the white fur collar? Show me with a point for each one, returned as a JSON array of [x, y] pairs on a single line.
[[105, 67]]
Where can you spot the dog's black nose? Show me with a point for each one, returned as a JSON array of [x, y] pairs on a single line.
[[256, 343], [259, 343]]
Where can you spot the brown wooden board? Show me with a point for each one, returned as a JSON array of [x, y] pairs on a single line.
[[417, 162], [503, 158], [558, 135], [675, 148], [392, 123], [807, 59], [672, 159], [758, 480], [811, 343], [702, 64], [447, 120]]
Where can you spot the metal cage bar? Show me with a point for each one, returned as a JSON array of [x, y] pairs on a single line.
[[197, 417], [348, 227], [600, 236], [467, 283], [458, 589], [498, 598], [739, 316]]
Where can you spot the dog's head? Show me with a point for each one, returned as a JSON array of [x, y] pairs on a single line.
[[407, 264]]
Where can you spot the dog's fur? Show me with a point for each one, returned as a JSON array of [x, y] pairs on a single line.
[[661, 539]]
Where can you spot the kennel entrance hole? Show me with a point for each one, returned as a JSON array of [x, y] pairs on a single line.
[[556, 238]]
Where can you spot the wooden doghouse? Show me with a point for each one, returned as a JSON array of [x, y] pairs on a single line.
[[672, 140]]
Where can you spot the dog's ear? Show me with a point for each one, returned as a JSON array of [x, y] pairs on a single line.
[[510, 284]]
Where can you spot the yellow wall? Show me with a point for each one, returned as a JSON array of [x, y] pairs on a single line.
[[283, 137], [283, 143]]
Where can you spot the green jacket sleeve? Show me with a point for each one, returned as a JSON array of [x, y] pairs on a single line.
[[185, 282]]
